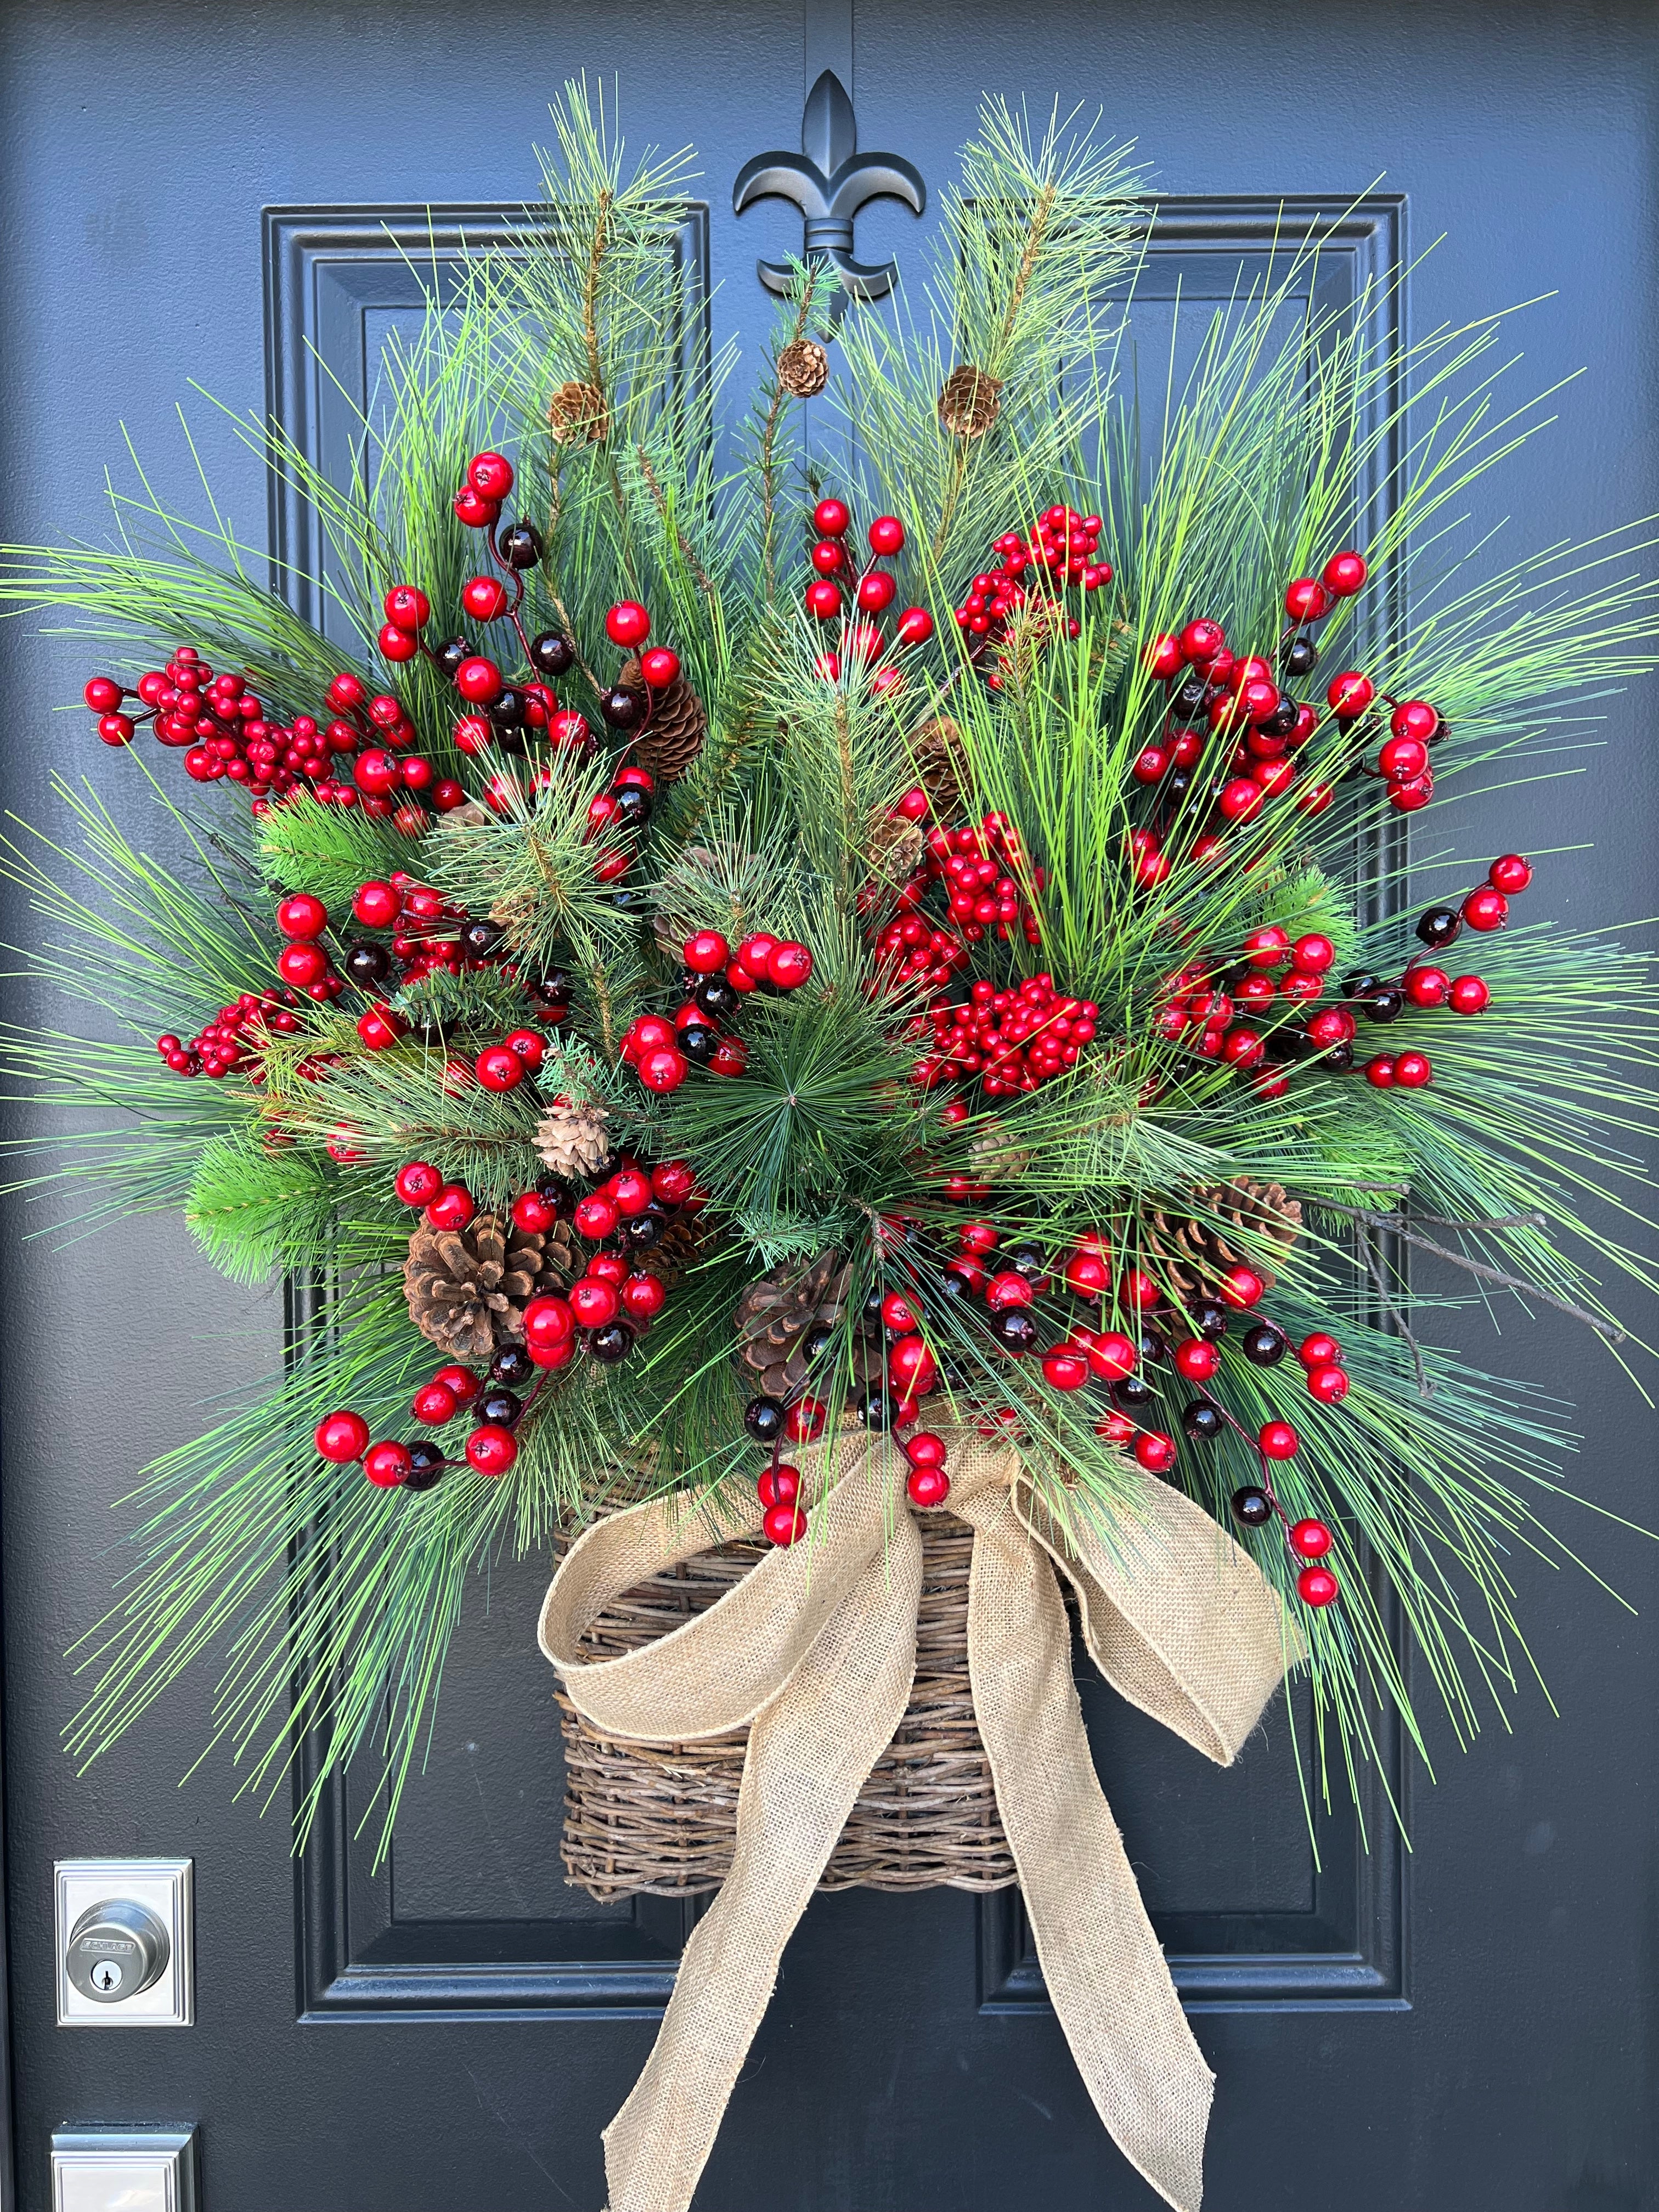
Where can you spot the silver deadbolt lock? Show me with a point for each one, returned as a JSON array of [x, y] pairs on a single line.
[[117, 1948]]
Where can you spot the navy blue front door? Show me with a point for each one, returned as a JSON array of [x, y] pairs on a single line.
[[238, 197]]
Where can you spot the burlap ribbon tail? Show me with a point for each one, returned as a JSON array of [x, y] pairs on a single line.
[[815, 1650]]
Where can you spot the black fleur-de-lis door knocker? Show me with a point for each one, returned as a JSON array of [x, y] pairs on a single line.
[[829, 180]]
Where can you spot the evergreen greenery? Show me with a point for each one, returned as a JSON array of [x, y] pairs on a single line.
[[330, 1603]]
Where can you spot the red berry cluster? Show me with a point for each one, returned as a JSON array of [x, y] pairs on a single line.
[[1012, 1040], [840, 589], [715, 982], [623, 810], [224, 1043], [981, 865], [1059, 551]]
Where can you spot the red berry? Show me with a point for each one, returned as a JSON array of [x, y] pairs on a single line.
[[1111, 1357], [803, 1422], [548, 1319], [594, 1301], [1403, 758], [407, 607], [530, 1045], [1379, 1070], [416, 1181], [479, 681], [912, 1367], [731, 1057], [899, 1312], [1307, 599], [1279, 1440], [1266, 948], [664, 1070], [1509, 873], [1320, 1350], [1468, 995], [927, 1487], [342, 1437], [1485, 908], [1329, 1385], [1196, 1360], [490, 476], [779, 1485], [1135, 1289], [914, 626], [303, 964], [876, 591], [533, 1214], [707, 954], [1242, 1287], [485, 599], [643, 1297], [1240, 799], [659, 667], [1317, 1586], [302, 915], [1155, 1451], [116, 729], [823, 599], [452, 1207], [788, 965], [377, 905], [784, 1525], [886, 535], [461, 1380], [1311, 1540], [491, 1449], [434, 1403], [1426, 987], [1087, 1275], [832, 517], [499, 1069], [1344, 575], [1350, 694], [1202, 641], [925, 1450], [103, 694], [1414, 719], [627, 624], [672, 1182], [595, 1217], [387, 1465], [1313, 955], [978, 1237], [1064, 1370]]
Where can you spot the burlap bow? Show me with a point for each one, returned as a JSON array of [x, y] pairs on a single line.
[[815, 1649]]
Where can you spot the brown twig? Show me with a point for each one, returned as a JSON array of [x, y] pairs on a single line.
[[1394, 1225], [1373, 1268]]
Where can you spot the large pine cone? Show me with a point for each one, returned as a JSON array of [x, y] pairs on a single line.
[[673, 738], [467, 1288], [777, 1314], [1189, 1257], [968, 403], [573, 1138]]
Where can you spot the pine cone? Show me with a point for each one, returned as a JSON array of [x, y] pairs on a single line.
[[572, 1139], [970, 402], [803, 368], [577, 415], [777, 1314], [674, 1251], [673, 738], [895, 848], [1189, 1257], [467, 1289], [941, 764]]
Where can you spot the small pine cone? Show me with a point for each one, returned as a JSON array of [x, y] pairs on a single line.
[[467, 1289], [777, 1314], [941, 764], [1190, 1256], [895, 848], [995, 1155], [577, 415], [803, 368], [970, 402], [572, 1139], [673, 738]]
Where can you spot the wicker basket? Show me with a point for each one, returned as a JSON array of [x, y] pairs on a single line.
[[660, 1819]]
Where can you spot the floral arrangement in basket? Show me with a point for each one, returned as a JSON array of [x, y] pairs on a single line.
[[797, 998]]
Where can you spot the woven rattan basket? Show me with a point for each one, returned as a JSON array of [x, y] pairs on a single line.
[[660, 1819]]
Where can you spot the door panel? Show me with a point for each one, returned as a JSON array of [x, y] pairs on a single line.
[[1466, 2024]]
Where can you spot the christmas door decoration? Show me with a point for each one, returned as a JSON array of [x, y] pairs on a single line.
[[780, 998]]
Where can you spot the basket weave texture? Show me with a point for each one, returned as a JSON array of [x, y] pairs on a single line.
[[661, 1819]]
